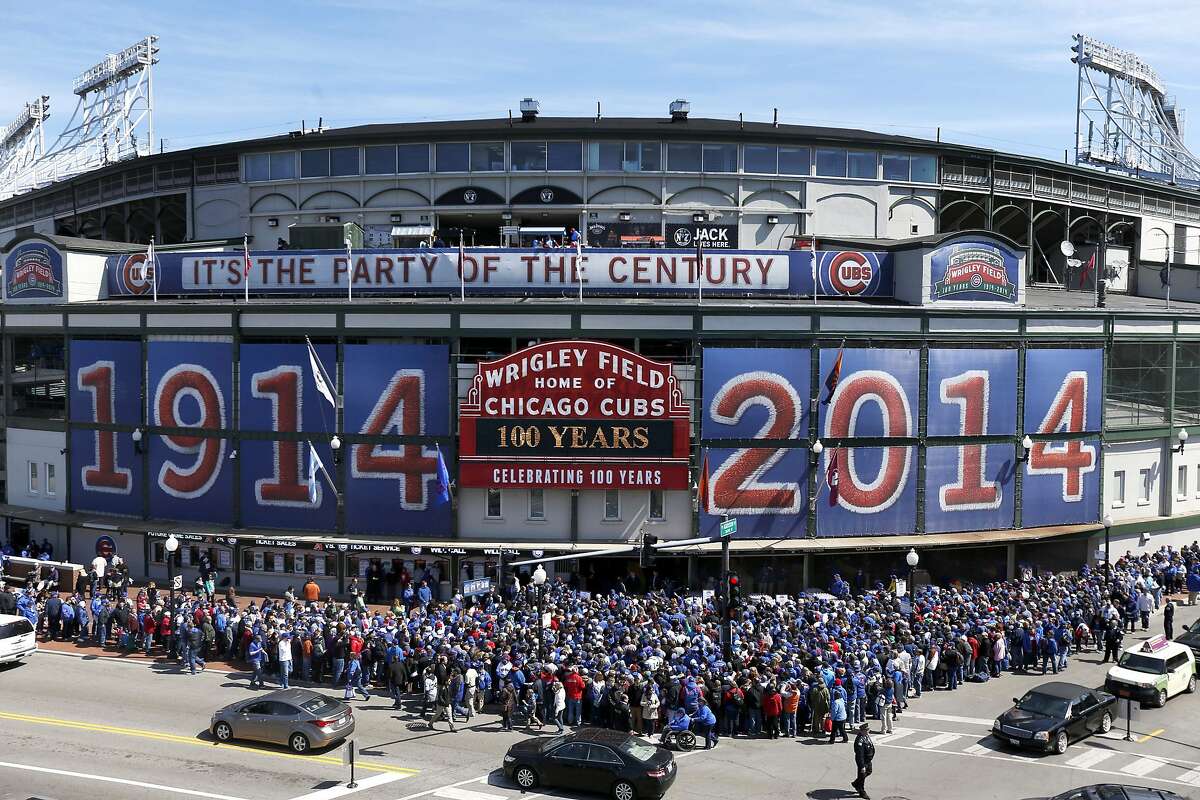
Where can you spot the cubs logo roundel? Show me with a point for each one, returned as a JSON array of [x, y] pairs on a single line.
[[850, 273]]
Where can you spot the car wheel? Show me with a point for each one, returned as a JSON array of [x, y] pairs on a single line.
[[1191, 687], [299, 743], [222, 731], [1106, 723], [1160, 699], [1061, 742], [624, 791], [526, 778]]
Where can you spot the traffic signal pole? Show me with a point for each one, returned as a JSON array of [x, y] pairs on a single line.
[[727, 616]]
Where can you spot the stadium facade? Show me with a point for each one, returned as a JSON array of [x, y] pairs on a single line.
[[888, 347]]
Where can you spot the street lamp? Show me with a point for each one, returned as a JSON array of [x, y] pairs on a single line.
[[816, 450], [335, 444], [913, 559], [1026, 446], [172, 544], [137, 440], [539, 584], [1182, 436], [1108, 523]]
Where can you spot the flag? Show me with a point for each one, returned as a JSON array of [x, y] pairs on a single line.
[[835, 375], [833, 476], [150, 268], [246, 265], [702, 490], [1087, 270], [318, 371], [314, 465], [443, 480]]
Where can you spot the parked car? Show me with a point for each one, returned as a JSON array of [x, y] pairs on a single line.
[[17, 639], [1153, 671], [1190, 638], [593, 760], [298, 718], [1112, 791], [1051, 716]]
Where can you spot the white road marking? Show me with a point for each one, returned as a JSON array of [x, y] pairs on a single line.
[[454, 793], [893, 736], [937, 741], [1191, 776], [343, 790], [1143, 766], [949, 718], [106, 779], [986, 746], [1089, 758]]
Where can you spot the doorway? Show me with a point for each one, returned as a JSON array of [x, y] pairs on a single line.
[[476, 229]]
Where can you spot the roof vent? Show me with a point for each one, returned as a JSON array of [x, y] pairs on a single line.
[[679, 110], [529, 109]]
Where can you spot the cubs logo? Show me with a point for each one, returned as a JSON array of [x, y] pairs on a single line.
[[134, 276], [850, 273]]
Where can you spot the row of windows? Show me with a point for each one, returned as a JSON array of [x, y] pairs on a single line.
[[1146, 482], [536, 509], [601, 156]]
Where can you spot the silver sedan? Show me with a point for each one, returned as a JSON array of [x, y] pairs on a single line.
[[297, 718]]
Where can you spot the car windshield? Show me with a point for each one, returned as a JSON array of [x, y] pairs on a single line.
[[1048, 705], [1140, 663], [319, 706], [639, 750]]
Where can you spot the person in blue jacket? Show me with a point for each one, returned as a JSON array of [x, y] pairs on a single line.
[[678, 723], [255, 655], [706, 724]]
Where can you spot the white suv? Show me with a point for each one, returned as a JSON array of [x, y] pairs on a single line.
[[17, 639], [1153, 671]]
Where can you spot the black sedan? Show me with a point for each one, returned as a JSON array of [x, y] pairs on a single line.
[[1191, 638], [1053, 715], [1113, 791], [592, 760]]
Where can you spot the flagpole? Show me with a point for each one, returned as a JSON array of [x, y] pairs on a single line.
[[462, 268], [349, 271], [579, 268], [246, 258], [813, 249], [316, 359], [151, 259], [699, 270]]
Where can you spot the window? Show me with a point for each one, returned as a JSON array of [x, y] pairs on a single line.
[[37, 375], [283, 166], [1136, 391], [623, 156], [52, 484], [1118, 489], [380, 160], [863, 164], [1144, 487], [576, 751], [720, 158], [599, 754], [528, 156], [655, 510], [343, 161], [493, 504], [35, 485], [895, 167], [760, 158], [218, 169], [683, 157], [605, 156], [924, 169], [258, 167], [794, 161], [537, 504], [643, 157], [612, 504], [1181, 482], [412, 158], [487, 156], [314, 163], [564, 156], [1187, 382], [453, 157], [831, 163]]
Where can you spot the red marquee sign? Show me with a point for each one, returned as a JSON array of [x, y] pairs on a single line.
[[574, 415]]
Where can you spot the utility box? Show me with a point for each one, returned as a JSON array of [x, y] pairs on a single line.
[[324, 236]]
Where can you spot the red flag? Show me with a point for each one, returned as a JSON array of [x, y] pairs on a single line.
[[246, 257], [702, 492], [835, 375], [832, 477], [1087, 269]]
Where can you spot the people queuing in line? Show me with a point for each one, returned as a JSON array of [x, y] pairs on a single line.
[[816, 664]]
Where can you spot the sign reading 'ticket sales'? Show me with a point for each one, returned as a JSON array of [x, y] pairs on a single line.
[[574, 414]]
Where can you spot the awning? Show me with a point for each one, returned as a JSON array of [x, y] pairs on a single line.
[[411, 231], [542, 231]]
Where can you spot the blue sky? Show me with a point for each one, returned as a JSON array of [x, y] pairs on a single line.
[[995, 74]]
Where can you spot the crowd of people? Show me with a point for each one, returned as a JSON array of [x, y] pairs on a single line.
[[812, 664]]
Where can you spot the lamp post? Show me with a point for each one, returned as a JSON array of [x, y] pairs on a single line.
[[171, 545], [1108, 523], [335, 444], [1182, 436], [539, 584], [913, 559]]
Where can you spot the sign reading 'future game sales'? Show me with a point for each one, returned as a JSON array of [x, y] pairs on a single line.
[[577, 415]]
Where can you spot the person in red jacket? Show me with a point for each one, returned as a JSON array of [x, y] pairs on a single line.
[[772, 707], [574, 684]]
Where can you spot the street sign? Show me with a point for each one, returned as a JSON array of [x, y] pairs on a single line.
[[177, 582], [509, 230], [729, 526], [476, 586]]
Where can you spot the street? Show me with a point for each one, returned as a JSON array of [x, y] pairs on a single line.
[[104, 728]]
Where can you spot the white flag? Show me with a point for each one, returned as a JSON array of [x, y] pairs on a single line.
[[318, 371], [314, 465]]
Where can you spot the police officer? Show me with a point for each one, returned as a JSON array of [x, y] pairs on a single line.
[[864, 754]]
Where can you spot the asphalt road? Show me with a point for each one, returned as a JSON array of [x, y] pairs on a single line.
[[72, 727]]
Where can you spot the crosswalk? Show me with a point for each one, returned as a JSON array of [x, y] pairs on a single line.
[[1098, 754]]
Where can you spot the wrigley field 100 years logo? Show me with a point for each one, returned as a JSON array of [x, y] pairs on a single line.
[[34, 270], [975, 269]]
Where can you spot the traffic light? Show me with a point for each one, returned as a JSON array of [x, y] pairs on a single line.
[[735, 593], [647, 555]]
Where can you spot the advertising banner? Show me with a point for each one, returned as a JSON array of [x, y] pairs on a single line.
[[969, 487], [392, 391], [279, 392], [710, 237], [106, 382], [1062, 483], [968, 269], [867, 490], [1063, 390], [765, 488], [106, 475], [190, 385], [972, 392], [33, 273], [274, 485], [507, 272], [574, 414]]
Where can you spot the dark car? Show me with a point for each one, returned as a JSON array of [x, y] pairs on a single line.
[[1191, 638], [1051, 716], [593, 760], [1112, 791]]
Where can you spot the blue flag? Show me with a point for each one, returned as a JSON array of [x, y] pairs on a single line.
[[443, 479]]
